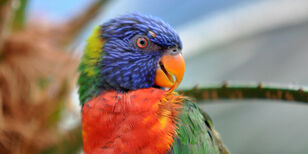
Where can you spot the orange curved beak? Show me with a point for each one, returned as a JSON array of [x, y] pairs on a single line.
[[170, 71]]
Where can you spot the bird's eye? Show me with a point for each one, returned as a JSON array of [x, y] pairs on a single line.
[[142, 42]]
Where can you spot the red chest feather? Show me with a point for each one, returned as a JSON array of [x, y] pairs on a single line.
[[141, 121]]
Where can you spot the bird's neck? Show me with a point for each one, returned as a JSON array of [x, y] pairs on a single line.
[[140, 121]]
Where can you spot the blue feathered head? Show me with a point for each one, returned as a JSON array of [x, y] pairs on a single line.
[[132, 48]]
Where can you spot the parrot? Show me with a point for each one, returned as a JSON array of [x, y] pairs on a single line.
[[128, 74]]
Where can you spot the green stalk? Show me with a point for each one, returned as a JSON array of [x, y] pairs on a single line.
[[20, 15], [6, 14]]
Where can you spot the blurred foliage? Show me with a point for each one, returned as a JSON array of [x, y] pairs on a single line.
[[20, 16], [37, 75], [71, 143]]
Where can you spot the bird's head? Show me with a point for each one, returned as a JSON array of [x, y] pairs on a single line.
[[132, 52]]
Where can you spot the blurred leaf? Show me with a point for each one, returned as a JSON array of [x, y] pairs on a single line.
[[70, 144], [20, 15], [43, 82], [6, 14], [3, 2]]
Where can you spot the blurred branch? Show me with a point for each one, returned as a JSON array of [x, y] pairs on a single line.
[[76, 24], [228, 91], [6, 14], [20, 16]]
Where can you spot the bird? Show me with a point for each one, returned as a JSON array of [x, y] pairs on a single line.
[[128, 74]]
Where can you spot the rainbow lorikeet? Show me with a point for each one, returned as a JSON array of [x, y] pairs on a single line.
[[127, 66]]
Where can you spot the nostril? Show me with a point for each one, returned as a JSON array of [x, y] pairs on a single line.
[[173, 50]]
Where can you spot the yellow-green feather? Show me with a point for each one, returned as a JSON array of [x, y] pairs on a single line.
[[89, 66], [92, 52]]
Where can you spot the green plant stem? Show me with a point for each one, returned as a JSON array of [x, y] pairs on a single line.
[[261, 91], [20, 15], [6, 14]]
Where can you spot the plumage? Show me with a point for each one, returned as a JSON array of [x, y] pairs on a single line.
[[151, 125], [125, 68], [196, 133]]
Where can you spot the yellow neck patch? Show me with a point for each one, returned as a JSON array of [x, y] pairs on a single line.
[[93, 51]]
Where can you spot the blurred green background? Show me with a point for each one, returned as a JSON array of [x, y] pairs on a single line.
[[223, 40]]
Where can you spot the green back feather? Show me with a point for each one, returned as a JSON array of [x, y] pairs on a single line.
[[89, 66], [195, 133]]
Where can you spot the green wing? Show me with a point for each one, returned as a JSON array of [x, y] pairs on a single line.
[[195, 134]]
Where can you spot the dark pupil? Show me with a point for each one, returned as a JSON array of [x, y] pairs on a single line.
[[142, 42]]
